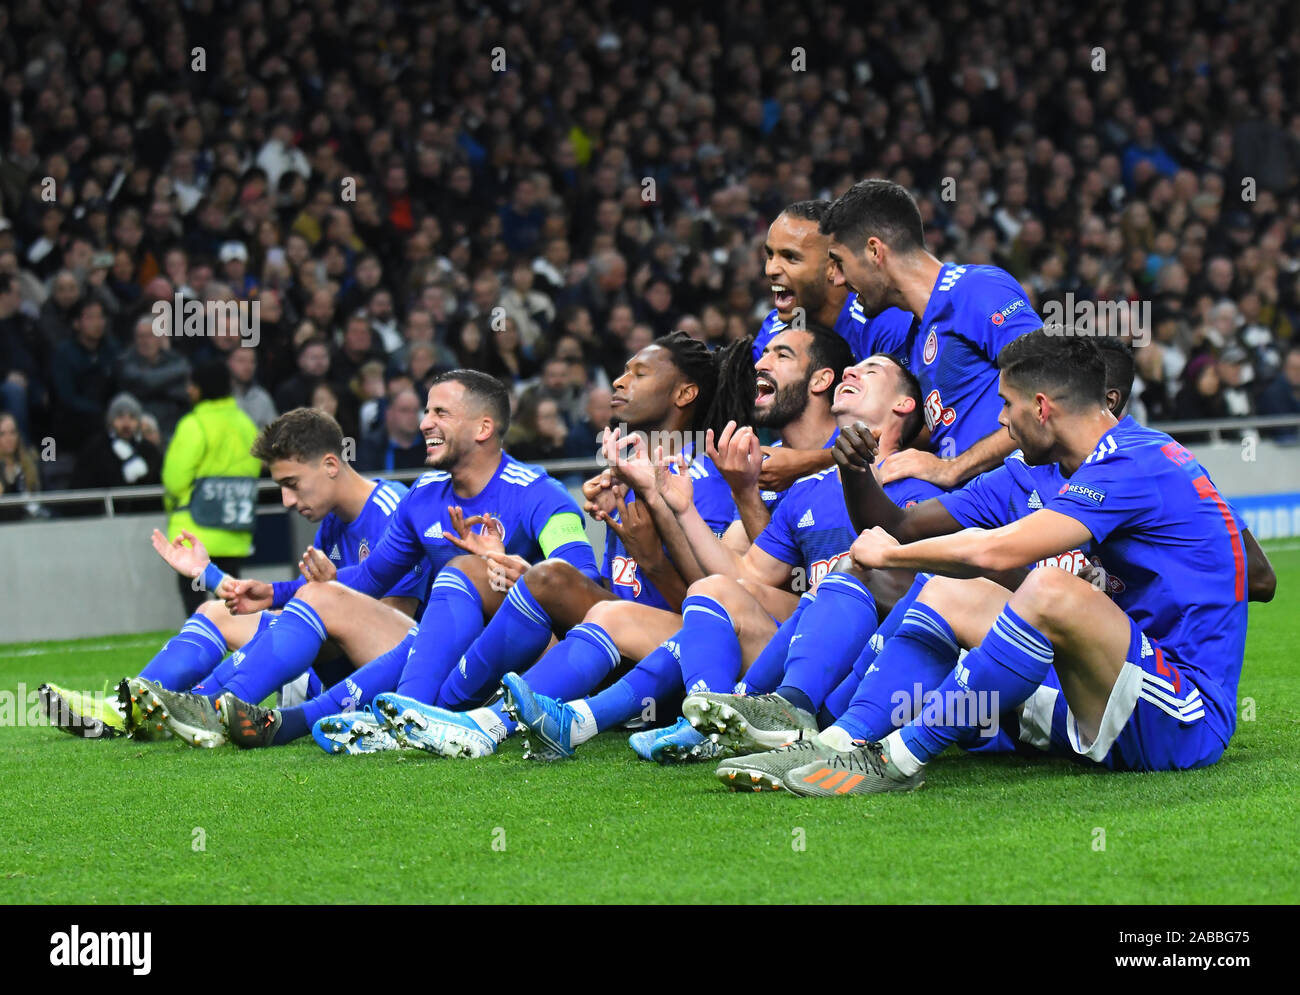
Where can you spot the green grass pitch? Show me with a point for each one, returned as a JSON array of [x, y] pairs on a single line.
[[124, 822]]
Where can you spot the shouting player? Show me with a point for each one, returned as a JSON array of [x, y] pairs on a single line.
[[1146, 682]]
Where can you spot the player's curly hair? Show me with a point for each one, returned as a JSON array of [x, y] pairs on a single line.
[[724, 376]]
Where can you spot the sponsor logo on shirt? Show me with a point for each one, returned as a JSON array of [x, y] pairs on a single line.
[[1093, 494], [807, 521], [1073, 561], [335, 554], [998, 317], [819, 569], [623, 572], [434, 531], [1035, 502], [936, 413]]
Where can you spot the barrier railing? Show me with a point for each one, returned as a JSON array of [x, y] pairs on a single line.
[[110, 496]]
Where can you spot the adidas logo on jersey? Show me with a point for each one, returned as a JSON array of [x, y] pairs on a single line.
[[434, 531], [807, 521], [1035, 502], [335, 554]]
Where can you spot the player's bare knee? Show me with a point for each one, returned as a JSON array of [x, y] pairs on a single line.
[[551, 577], [715, 586], [213, 611], [943, 594], [611, 616], [318, 593], [1049, 594]]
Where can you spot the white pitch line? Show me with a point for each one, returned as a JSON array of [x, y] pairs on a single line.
[[92, 647]]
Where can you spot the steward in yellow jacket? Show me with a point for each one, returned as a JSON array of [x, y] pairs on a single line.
[[208, 475]]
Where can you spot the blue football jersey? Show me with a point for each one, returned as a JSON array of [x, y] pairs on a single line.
[[349, 543], [1174, 553], [886, 332], [773, 498], [712, 499], [539, 516], [810, 528], [1009, 492], [972, 313], [909, 491]]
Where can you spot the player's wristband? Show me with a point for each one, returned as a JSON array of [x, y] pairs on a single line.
[[212, 576]]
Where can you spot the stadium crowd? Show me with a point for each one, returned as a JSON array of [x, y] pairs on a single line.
[[537, 190]]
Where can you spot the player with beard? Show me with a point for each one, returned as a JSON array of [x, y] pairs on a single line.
[[798, 268], [671, 392], [1144, 682], [923, 654], [523, 512], [796, 364], [731, 615]]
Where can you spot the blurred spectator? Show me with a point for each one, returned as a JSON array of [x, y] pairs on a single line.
[[507, 359], [156, 376], [252, 398], [531, 309], [150, 432], [119, 456], [337, 403], [398, 443], [1282, 395], [19, 375], [1201, 396], [18, 468], [313, 365], [537, 431], [357, 348], [585, 436], [82, 370], [1236, 376]]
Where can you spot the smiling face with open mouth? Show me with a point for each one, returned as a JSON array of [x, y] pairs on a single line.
[[781, 379], [447, 426], [797, 266]]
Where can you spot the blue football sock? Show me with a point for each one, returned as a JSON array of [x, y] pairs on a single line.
[[709, 646], [1004, 670], [188, 656], [293, 725], [766, 671], [914, 662], [513, 640], [284, 652], [357, 691], [837, 702], [584, 658], [452, 620], [649, 684], [214, 683], [828, 640]]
